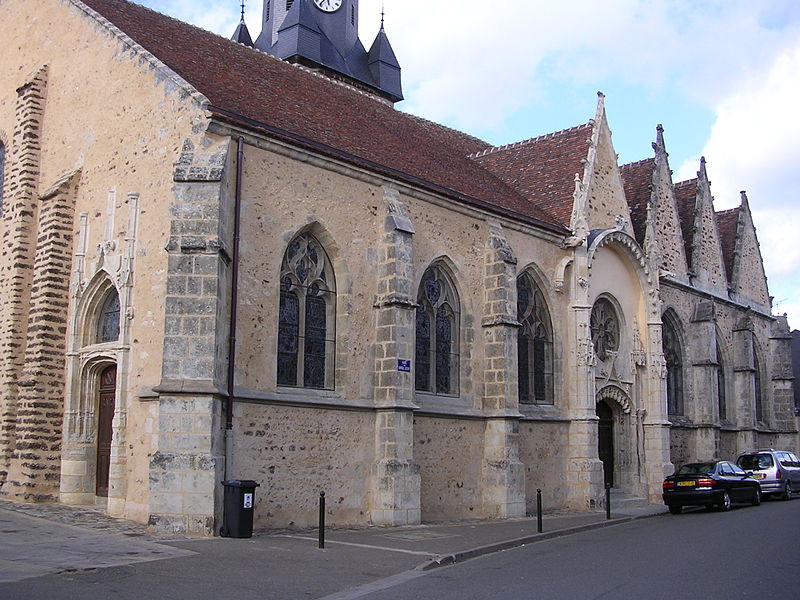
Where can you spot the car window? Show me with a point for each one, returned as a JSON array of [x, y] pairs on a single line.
[[725, 469], [751, 462], [737, 470], [697, 469], [785, 459], [795, 460]]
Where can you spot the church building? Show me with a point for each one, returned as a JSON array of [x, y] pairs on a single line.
[[237, 259]]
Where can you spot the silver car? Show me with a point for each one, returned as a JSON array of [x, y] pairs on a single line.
[[777, 471]]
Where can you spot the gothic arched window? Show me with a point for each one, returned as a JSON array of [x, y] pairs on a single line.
[[721, 400], [673, 354], [306, 339], [605, 328], [437, 334], [759, 397], [534, 344], [108, 318]]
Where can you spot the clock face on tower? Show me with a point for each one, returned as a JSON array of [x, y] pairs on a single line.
[[328, 5]]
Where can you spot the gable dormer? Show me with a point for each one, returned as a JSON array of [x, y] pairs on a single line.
[[654, 211], [605, 203], [744, 265], [705, 252]]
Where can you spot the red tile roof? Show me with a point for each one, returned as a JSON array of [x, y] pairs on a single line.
[[728, 225], [543, 169], [637, 180], [250, 88], [686, 199]]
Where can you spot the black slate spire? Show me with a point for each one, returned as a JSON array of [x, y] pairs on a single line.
[[242, 35]]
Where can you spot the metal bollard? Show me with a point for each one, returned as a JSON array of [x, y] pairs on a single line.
[[539, 510], [322, 519], [608, 501]]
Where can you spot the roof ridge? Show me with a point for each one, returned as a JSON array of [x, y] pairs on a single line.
[[636, 163], [445, 127], [727, 211], [686, 182], [496, 149]]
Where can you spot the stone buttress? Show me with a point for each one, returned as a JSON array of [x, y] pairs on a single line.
[[395, 476], [503, 474], [187, 465]]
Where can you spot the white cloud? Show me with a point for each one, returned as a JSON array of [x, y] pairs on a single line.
[[754, 145]]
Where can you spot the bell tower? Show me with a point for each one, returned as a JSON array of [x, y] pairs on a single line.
[[323, 35]]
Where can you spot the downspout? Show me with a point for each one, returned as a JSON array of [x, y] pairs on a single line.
[[237, 210]]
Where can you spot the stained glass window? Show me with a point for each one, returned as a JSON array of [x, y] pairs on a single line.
[[437, 326], [605, 329], [534, 344], [306, 316], [759, 399], [108, 322], [721, 402], [674, 359]]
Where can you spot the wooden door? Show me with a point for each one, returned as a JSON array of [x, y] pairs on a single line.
[[105, 416], [605, 441]]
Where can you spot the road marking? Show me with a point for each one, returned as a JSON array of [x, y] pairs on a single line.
[[376, 586], [387, 549]]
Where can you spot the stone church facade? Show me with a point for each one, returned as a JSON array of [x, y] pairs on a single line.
[[225, 261]]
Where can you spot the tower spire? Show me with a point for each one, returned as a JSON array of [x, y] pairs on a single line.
[[242, 35]]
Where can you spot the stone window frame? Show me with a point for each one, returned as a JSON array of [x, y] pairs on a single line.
[[723, 380], [449, 302], [602, 300], [546, 322], [86, 359], [289, 277], [675, 407], [759, 386]]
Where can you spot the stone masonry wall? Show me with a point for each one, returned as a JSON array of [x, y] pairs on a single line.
[[295, 453], [19, 245], [36, 460], [450, 467]]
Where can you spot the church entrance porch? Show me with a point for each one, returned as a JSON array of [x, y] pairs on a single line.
[[605, 441], [105, 418]]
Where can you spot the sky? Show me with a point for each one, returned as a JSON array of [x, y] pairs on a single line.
[[721, 76]]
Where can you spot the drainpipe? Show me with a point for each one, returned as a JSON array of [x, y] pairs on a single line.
[[237, 210]]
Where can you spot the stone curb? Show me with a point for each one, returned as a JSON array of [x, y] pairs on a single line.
[[457, 557]]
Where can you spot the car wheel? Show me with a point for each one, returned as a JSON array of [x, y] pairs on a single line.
[[756, 497], [787, 492], [726, 502], [675, 509]]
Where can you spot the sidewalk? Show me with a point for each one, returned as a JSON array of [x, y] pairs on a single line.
[[51, 549]]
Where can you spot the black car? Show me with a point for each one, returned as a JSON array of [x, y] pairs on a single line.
[[711, 484]]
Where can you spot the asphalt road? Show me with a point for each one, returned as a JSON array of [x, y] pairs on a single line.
[[749, 552]]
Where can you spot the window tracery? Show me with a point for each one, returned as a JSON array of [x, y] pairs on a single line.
[[605, 328], [305, 317], [437, 334], [108, 318], [673, 355], [534, 344], [721, 400]]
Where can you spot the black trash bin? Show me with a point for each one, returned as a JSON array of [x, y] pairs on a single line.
[[237, 518]]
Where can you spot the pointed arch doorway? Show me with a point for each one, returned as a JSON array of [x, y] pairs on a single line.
[[605, 441], [105, 416]]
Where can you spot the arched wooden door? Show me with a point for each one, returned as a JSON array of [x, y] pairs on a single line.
[[105, 417], [605, 441]]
